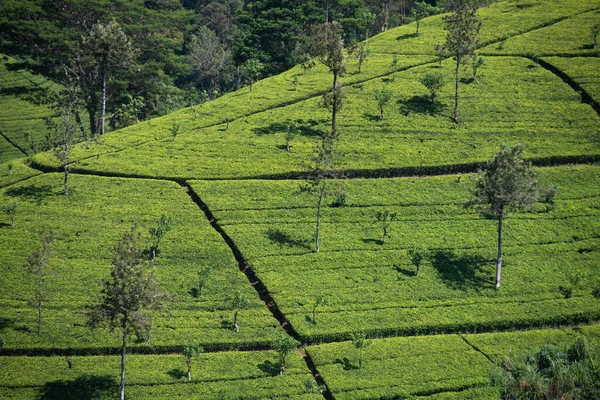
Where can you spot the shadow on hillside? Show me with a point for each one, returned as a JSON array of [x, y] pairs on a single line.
[[404, 271], [407, 36], [83, 388], [283, 239], [420, 105], [270, 368], [460, 272], [303, 128], [33, 192], [348, 366], [177, 374]]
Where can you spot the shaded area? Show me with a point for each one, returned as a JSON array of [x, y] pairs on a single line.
[[83, 388], [407, 36], [299, 127], [177, 374], [32, 192], [348, 366], [404, 271], [420, 105], [283, 239], [461, 271], [269, 367]]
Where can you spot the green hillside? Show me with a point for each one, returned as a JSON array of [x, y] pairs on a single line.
[[233, 184]]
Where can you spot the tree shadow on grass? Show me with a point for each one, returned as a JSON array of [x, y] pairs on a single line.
[[32, 192], [269, 367], [375, 241], [303, 128], [283, 239], [420, 105], [404, 271], [407, 36], [86, 387], [177, 374], [460, 271], [348, 366]]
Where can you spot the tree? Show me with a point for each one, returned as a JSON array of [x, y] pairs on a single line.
[[38, 262], [385, 219], [421, 10], [383, 96], [506, 183], [175, 129], [10, 210], [595, 32], [291, 130], [417, 255], [108, 47], [319, 301], [252, 69], [240, 302], [129, 297], [64, 138], [441, 53], [462, 38], [165, 224], [360, 342], [189, 352], [327, 45], [203, 275], [434, 82], [478, 62], [208, 57], [284, 345], [361, 53]]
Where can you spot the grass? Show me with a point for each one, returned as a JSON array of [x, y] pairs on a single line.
[[86, 226], [429, 367], [585, 71], [242, 375], [454, 290]]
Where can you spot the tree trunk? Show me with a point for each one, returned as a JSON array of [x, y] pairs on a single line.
[[66, 179], [39, 300], [189, 371], [104, 73], [319, 202], [381, 110], [235, 325], [123, 352], [456, 89], [499, 262], [334, 108], [418, 27], [153, 251]]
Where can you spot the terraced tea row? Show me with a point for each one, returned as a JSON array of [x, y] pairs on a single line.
[[454, 290]]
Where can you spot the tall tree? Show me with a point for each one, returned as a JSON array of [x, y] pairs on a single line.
[[208, 57], [38, 263], [129, 297], [506, 183], [105, 47], [462, 38]]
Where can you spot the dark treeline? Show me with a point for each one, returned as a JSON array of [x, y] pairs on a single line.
[[130, 60]]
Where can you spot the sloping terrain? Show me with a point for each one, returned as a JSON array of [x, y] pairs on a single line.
[[234, 190]]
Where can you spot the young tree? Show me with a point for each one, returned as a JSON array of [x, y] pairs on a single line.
[[383, 96], [189, 352], [506, 183], [478, 62], [595, 30], [38, 262], [64, 139], [462, 38], [441, 53], [203, 275], [417, 255], [108, 47], [319, 301], [11, 166], [240, 302], [291, 130], [361, 53], [129, 297], [252, 69], [175, 129], [284, 345], [385, 220], [165, 224], [434, 82], [10, 210], [327, 44], [422, 10], [360, 342]]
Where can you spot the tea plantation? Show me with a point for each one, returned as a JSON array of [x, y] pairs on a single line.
[[232, 180]]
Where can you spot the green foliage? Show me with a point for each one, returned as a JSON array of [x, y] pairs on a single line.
[[38, 263], [383, 96], [284, 345], [361, 53], [421, 10], [165, 225], [252, 69], [203, 276], [417, 255], [239, 302], [385, 220], [360, 342], [434, 82], [553, 372], [10, 210], [190, 351], [476, 64]]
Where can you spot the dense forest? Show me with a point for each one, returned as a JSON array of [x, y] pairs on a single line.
[[132, 60]]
